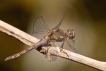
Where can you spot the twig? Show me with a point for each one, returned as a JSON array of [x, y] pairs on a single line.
[[30, 40]]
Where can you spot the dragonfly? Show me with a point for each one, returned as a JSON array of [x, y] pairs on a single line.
[[54, 35]]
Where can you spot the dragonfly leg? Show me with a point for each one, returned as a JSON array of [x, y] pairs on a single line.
[[65, 53], [46, 52], [61, 49], [61, 46], [49, 56]]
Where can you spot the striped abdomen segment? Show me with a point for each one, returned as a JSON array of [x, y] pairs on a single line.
[[42, 42]]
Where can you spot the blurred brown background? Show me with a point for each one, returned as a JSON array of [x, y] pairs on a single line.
[[86, 17]]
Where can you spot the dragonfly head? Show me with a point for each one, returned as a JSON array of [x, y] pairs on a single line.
[[70, 33]]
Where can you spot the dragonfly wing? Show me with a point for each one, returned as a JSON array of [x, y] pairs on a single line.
[[54, 58], [40, 27], [59, 23], [74, 49]]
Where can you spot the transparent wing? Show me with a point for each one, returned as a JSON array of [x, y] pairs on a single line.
[[54, 58], [74, 49], [40, 27], [59, 23]]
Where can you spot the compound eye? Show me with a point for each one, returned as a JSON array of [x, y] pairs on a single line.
[[71, 34]]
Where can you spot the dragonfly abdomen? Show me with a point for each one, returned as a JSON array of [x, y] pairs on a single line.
[[42, 42]]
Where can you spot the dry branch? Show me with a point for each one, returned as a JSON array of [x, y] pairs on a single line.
[[30, 40]]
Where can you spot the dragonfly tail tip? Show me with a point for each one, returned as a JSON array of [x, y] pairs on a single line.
[[8, 58]]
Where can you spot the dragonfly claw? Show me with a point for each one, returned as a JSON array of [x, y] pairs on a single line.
[[61, 50], [49, 57], [47, 54]]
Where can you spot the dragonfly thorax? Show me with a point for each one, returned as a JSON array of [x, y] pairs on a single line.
[[58, 35], [70, 33]]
